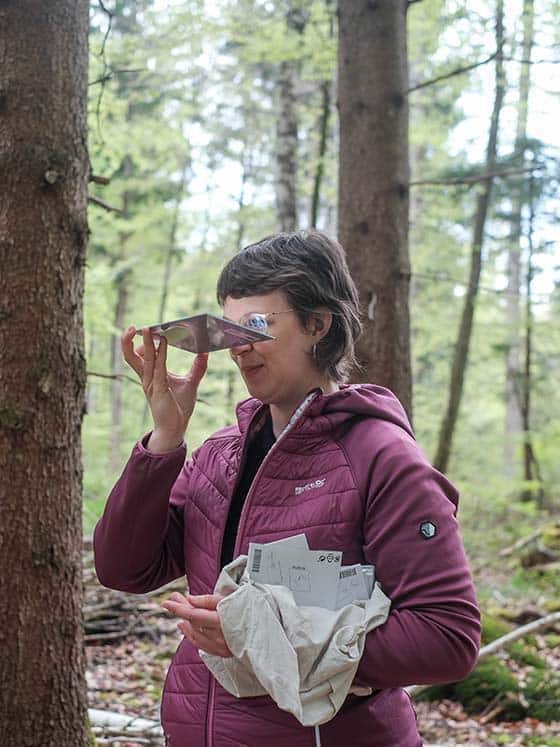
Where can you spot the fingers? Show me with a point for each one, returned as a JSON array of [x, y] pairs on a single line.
[[204, 601], [131, 356], [201, 626], [198, 369], [178, 605], [160, 366], [149, 357], [199, 618], [212, 643]]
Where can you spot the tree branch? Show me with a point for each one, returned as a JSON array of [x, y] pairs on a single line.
[[523, 542], [532, 62], [457, 71], [474, 179], [113, 376], [103, 78], [96, 179], [110, 16], [505, 640], [124, 377], [105, 205], [109, 75]]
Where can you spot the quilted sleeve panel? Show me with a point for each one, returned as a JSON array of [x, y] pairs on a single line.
[[138, 542]]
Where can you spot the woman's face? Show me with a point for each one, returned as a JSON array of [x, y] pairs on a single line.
[[279, 372]]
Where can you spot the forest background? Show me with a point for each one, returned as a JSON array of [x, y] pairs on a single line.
[[196, 108], [184, 109]]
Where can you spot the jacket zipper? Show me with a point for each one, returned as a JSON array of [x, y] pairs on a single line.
[[239, 534], [317, 737], [212, 685], [210, 713], [242, 519]]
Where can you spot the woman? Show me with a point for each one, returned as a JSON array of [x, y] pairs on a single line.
[[308, 454]]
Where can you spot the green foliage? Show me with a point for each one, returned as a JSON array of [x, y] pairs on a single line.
[[493, 628], [550, 536], [552, 640], [542, 692], [522, 653], [437, 692], [490, 679], [91, 736]]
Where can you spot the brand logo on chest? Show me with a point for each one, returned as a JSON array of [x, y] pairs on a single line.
[[310, 486]]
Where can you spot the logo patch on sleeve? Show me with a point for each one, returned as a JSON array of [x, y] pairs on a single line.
[[427, 530]]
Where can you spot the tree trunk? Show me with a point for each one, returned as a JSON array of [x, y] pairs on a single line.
[[43, 237], [324, 119], [90, 391], [287, 132], [245, 173], [121, 309], [170, 255], [373, 183], [121, 282], [322, 149], [461, 352], [513, 418], [531, 469], [172, 251], [286, 149]]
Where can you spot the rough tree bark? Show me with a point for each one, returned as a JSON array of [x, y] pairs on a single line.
[[373, 183], [43, 236], [461, 352], [513, 418]]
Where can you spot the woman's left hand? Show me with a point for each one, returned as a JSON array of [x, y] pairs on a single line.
[[201, 623]]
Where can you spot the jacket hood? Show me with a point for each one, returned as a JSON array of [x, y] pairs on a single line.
[[321, 413]]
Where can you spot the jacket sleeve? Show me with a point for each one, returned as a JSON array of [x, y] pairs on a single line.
[[411, 536], [138, 542]]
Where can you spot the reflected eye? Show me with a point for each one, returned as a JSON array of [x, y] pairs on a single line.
[[255, 321]]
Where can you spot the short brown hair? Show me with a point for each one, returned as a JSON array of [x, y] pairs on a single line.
[[310, 269]]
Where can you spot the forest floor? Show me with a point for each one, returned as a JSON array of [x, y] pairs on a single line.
[[131, 639]]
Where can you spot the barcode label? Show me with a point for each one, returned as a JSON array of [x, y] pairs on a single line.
[[256, 567], [345, 572]]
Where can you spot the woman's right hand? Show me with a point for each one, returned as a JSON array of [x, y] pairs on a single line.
[[171, 398]]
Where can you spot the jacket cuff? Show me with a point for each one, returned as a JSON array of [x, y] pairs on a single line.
[[142, 446]]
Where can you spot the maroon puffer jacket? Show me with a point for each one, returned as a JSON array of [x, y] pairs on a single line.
[[348, 473]]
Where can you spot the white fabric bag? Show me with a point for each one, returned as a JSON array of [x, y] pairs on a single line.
[[305, 658]]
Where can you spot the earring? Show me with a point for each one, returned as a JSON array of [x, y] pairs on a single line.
[[314, 352]]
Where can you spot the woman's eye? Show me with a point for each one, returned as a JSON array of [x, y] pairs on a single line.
[[256, 322]]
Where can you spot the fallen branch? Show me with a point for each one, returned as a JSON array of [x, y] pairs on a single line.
[[523, 542], [112, 725], [112, 720], [505, 640]]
